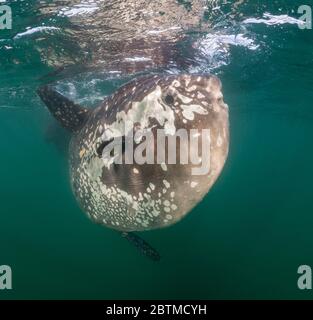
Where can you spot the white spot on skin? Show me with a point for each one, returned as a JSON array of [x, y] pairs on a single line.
[[167, 209], [200, 95], [174, 207], [135, 171], [167, 203], [155, 213], [192, 88], [167, 184], [164, 167], [190, 110], [152, 186], [183, 98], [193, 184], [176, 84], [169, 217], [219, 142]]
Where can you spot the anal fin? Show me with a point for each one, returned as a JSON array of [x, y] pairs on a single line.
[[142, 246]]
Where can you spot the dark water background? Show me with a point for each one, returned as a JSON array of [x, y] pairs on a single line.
[[252, 231]]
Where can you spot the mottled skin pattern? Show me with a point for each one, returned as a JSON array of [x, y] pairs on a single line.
[[143, 197]]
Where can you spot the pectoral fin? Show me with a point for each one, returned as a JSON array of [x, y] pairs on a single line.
[[70, 115]]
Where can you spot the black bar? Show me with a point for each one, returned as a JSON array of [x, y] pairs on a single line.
[[131, 309]]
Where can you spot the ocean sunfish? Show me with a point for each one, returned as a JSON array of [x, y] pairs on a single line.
[[118, 173]]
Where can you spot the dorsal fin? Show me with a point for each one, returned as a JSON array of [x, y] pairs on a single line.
[[70, 115]]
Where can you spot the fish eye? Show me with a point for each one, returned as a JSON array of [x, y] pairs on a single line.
[[169, 99], [220, 100]]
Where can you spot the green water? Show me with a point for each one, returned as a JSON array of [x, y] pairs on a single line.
[[245, 240]]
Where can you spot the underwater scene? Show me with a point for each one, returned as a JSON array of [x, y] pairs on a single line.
[[76, 224]]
